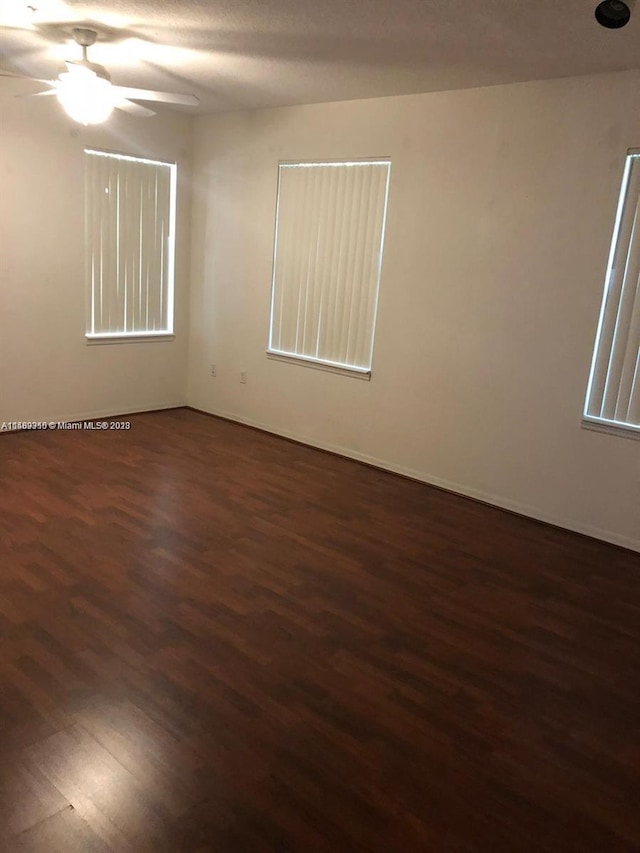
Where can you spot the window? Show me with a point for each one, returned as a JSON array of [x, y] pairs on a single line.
[[613, 395], [130, 235], [330, 223]]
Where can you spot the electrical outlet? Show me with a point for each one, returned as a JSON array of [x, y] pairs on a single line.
[[212, 371], [243, 377]]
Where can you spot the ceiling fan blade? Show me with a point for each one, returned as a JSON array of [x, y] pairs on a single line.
[[134, 109], [72, 65], [17, 76], [44, 92], [84, 66], [160, 97]]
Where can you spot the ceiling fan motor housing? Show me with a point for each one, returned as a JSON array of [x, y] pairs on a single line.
[[84, 36]]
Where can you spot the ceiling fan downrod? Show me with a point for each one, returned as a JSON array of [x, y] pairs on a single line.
[[85, 37]]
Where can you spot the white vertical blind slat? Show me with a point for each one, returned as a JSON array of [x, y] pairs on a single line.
[[96, 203], [320, 264], [140, 272], [128, 240], [302, 249], [133, 238], [366, 317], [116, 203], [327, 260], [309, 224], [291, 268], [163, 230], [158, 284], [317, 266], [344, 211], [90, 268], [351, 281], [110, 215], [149, 249], [161, 192], [102, 187]]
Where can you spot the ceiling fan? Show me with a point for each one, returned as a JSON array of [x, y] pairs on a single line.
[[87, 94]]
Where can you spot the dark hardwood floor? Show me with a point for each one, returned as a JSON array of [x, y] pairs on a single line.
[[212, 639]]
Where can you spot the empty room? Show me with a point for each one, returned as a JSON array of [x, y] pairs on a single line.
[[319, 421]]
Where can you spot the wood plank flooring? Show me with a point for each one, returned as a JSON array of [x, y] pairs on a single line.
[[212, 639]]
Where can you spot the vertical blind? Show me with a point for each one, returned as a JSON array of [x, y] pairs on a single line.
[[129, 244], [329, 239], [614, 384]]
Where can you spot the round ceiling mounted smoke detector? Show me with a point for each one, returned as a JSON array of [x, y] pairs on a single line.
[[613, 14]]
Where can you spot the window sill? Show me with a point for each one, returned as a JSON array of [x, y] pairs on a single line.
[[328, 367], [140, 338], [610, 427]]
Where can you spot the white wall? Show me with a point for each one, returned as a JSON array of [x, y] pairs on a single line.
[[47, 372], [501, 210]]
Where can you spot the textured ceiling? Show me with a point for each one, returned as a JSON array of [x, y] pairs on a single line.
[[237, 54]]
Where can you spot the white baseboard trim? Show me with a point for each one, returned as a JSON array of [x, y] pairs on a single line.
[[112, 412], [135, 410], [457, 488]]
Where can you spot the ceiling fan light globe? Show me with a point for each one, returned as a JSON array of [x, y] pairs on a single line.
[[85, 97]]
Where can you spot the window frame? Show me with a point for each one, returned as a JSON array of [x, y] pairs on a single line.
[[326, 365], [93, 338], [594, 422]]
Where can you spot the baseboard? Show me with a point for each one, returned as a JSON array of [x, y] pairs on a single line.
[[457, 488], [102, 413]]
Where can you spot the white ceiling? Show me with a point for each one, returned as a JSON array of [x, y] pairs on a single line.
[[238, 54]]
